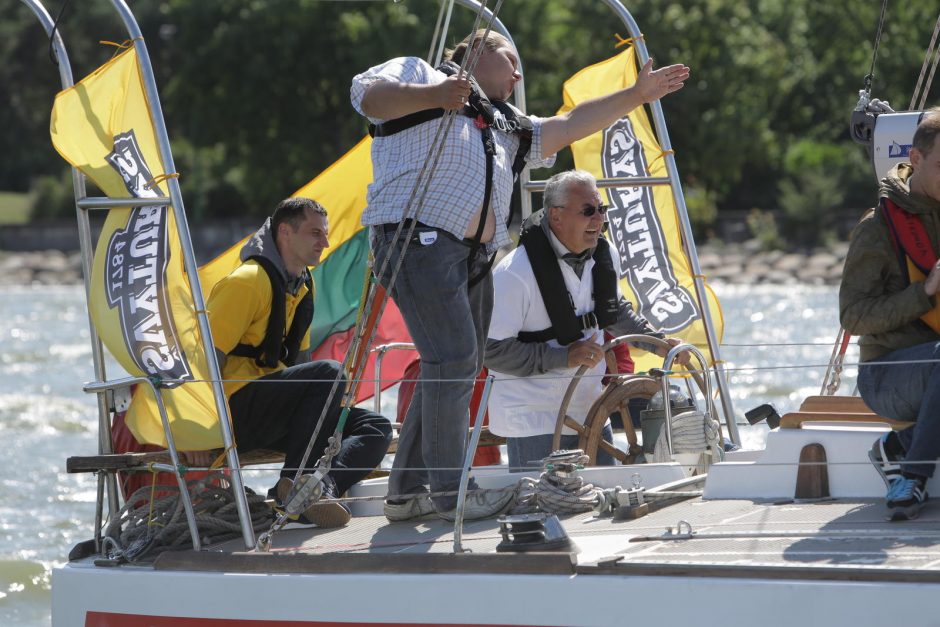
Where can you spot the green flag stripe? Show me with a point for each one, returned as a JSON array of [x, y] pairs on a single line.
[[339, 282]]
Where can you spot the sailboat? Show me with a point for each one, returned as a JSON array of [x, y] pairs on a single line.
[[794, 532]]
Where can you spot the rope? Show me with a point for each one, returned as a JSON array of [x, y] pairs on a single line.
[[435, 59], [923, 70], [692, 432], [160, 178], [146, 526], [649, 170], [559, 489], [874, 53], [124, 45], [621, 42]]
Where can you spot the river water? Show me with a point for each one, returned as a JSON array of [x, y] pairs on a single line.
[[777, 342]]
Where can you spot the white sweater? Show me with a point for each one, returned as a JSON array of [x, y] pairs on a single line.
[[522, 407]]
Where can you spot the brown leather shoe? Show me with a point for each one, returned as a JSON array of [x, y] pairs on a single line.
[[325, 512]]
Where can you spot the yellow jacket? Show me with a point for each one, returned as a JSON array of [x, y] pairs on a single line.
[[238, 310]]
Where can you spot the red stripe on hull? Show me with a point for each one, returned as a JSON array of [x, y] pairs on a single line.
[[109, 619]]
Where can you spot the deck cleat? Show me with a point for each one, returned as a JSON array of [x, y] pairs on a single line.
[[564, 463], [630, 503], [532, 532]]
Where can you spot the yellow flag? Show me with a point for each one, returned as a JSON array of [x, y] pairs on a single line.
[[140, 299], [644, 227]]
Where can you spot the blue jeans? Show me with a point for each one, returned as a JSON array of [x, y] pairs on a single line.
[[528, 452], [448, 322], [909, 392]]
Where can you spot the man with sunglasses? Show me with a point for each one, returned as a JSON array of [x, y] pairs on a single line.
[[554, 296]]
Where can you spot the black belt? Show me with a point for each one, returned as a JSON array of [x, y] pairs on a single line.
[[390, 227]]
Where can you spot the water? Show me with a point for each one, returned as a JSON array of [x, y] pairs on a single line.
[[772, 333]]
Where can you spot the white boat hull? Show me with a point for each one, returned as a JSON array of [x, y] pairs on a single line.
[[95, 597]]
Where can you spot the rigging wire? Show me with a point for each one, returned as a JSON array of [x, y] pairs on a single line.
[[440, 33], [362, 334], [932, 50], [411, 215], [52, 34]]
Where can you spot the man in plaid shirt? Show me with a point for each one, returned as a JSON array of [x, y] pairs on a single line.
[[444, 289]]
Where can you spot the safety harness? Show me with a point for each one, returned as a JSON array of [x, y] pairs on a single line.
[[276, 345], [567, 326], [484, 114], [912, 246]]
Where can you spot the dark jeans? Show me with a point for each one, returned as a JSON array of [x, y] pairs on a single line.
[[909, 392], [635, 406], [448, 322], [280, 412], [527, 453]]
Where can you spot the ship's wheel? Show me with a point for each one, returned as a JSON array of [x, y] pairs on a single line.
[[615, 397]]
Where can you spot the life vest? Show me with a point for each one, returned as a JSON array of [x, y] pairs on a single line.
[[278, 345], [482, 111], [568, 327], [912, 245]]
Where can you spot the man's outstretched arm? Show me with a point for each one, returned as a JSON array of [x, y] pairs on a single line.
[[591, 116]]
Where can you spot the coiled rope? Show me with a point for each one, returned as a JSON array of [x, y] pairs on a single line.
[[559, 489], [148, 525], [692, 432]]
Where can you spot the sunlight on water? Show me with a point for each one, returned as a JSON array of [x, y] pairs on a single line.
[[776, 344], [44, 417]]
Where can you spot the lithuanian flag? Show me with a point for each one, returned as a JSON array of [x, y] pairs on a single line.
[[342, 272]]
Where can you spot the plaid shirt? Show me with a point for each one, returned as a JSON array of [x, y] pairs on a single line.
[[456, 190]]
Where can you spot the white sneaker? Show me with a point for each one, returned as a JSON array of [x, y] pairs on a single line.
[[482, 504], [412, 509]]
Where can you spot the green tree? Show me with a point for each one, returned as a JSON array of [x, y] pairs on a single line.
[[256, 92]]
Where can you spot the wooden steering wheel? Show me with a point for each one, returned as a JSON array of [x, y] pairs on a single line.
[[615, 397]]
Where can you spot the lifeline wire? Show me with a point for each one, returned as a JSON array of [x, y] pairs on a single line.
[[743, 368]]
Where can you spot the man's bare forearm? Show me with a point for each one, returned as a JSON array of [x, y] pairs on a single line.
[[389, 100], [587, 118], [593, 115]]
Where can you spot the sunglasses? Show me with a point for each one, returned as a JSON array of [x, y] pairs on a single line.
[[590, 210]]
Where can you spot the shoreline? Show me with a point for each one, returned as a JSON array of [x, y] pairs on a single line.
[[737, 264]]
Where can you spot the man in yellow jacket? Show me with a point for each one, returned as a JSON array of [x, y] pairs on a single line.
[[260, 317]]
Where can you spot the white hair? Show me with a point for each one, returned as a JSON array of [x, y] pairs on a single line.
[[559, 186]]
